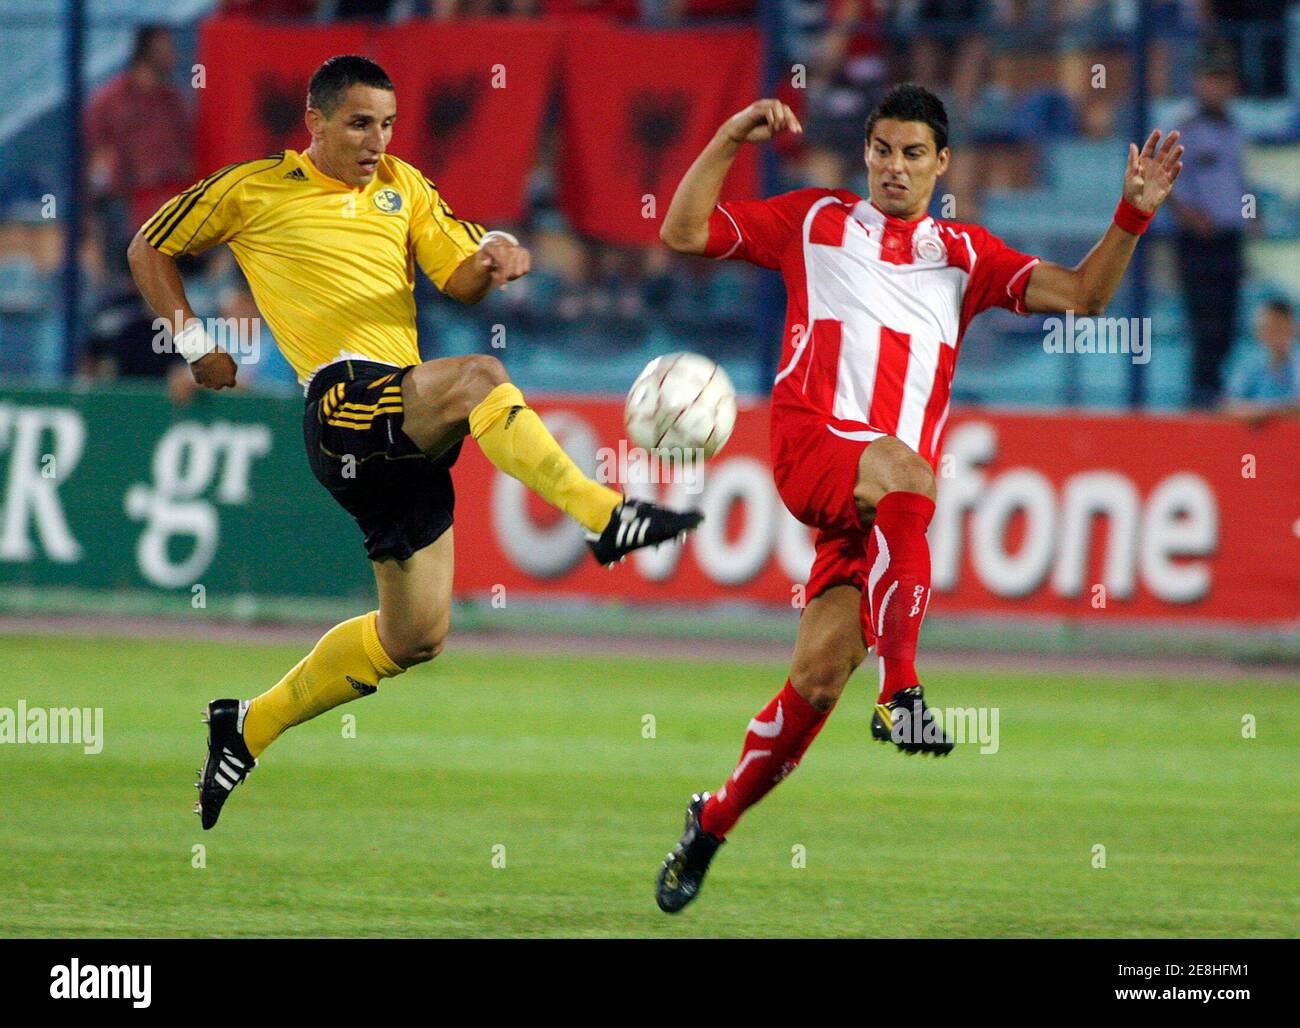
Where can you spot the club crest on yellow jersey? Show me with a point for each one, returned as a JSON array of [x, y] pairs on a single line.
[[388, 200]]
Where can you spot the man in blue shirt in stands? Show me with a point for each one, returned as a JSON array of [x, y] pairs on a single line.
[[1210, 235], [1267, 382]]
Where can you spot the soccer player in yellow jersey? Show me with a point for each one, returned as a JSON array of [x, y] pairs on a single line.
[[329, 239]]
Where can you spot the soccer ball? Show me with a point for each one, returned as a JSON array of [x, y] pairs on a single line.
[[681, 401]]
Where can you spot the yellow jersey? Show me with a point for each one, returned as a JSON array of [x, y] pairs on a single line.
[[331, 266]]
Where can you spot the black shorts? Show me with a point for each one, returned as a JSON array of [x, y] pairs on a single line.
[[352, 426]]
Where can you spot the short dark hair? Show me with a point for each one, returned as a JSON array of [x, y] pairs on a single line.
[[1279, 306], [911, 102], [144, 37], [339, 74]]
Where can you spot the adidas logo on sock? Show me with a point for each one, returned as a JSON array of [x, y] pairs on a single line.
[[511, 416], [364, 688]]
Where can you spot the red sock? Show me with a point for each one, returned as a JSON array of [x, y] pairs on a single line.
[[774, 744], [898, 585]]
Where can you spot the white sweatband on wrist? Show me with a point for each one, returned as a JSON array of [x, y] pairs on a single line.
[[193, 341], [499, 235]]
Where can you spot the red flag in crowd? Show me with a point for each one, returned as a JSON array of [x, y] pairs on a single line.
[[638, 107]]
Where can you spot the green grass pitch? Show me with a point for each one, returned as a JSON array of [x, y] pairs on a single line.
[[392, 833]]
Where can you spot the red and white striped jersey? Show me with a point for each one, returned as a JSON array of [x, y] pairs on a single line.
[[876, 306]]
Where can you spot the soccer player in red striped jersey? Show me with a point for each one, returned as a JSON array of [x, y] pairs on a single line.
[[879, 295]]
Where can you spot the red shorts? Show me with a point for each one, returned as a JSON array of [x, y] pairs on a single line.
[[816, 470]]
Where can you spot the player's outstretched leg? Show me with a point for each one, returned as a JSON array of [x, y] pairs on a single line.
[[346, 664], [775, 742], [828, 648], [896, 489], [445, 399]]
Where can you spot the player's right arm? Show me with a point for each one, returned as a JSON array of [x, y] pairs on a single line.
[[686, 225], [160, 284], [208, 213]]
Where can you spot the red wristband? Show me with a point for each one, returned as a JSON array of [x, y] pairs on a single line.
[[1131, 219]]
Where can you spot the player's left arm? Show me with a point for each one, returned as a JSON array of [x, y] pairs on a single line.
[[460, 257], [499, 259], [1088, 287]]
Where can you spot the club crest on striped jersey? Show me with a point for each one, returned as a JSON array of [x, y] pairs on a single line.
[[388, 200], [928, 248]]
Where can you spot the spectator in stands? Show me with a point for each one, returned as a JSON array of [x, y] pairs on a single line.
[[1087, 35], [1176, 29], [139, 138], [31, 260], [1267, 382], [848, 73], [1259, 29], [1208, 211]]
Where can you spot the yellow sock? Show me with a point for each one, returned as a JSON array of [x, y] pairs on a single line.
[[345, 664], [512, 436]]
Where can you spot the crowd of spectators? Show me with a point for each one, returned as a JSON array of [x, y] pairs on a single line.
[[1014, 74], [1266, 382]]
